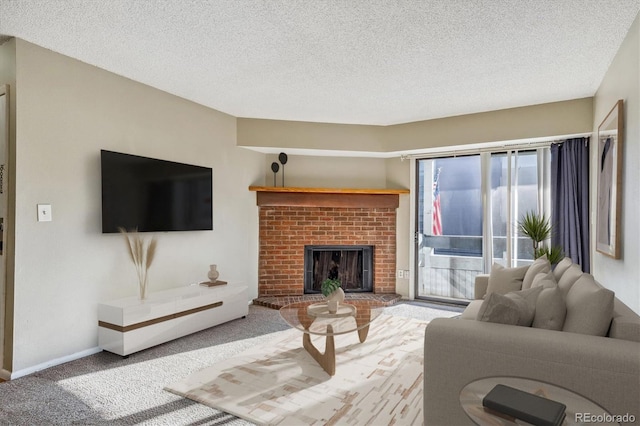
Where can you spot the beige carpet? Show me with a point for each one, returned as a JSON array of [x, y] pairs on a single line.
[[378, 382]]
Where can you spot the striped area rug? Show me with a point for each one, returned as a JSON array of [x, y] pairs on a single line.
[[378, 382]]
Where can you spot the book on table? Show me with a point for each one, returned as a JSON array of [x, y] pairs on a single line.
[[525, 406]]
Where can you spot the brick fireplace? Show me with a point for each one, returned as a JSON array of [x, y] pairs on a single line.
[[292, 218]]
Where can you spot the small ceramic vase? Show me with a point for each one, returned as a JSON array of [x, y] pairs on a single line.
[[213, 273], [335, 299]]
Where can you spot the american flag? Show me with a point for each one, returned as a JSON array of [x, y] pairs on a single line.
[[436, 215]]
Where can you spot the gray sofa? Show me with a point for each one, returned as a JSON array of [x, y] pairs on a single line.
[[605, 369]]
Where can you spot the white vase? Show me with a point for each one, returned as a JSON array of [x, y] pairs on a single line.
[[335, 299], [213, 273]]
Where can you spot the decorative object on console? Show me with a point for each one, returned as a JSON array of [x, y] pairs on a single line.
[[213, 277], [141, 254], [538, 228], [609, 166], [333, 292], [274, 168], [213, 273], [283, 160], [213, 283]]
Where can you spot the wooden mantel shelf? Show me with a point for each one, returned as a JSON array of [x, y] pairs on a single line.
[[327, 197], [327, 190]]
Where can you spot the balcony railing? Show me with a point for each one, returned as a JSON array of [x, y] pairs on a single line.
[[448, 265]]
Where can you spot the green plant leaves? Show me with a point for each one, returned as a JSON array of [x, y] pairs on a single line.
[[538, 228], [535, 226], [329, 286]]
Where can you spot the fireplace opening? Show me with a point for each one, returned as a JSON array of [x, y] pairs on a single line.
[[352, 265]]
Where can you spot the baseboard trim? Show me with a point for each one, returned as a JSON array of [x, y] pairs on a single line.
[[52, 363]]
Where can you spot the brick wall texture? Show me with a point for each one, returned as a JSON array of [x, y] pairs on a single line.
[[284, 231]]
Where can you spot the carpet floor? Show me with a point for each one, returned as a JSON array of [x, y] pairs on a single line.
[[108, 389]]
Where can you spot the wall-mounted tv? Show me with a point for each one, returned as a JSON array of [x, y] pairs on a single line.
[[154, 195]]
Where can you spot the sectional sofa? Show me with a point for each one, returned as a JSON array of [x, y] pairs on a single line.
[[579, 337]]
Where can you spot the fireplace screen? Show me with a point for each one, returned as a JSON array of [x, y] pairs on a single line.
[[352, 265]]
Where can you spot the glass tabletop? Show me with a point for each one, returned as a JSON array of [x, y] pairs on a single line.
[[314, 318], [472, 394]]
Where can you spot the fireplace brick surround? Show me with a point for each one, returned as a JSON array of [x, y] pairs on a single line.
[[321, 220]]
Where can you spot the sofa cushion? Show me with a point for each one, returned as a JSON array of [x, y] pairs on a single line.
[[589, 307], [551, 309], [472, 309], [545, 280], [569, 277], [561, 267], [539, 265], [503, 280], [625, 324], [513, 308], [625, 328]]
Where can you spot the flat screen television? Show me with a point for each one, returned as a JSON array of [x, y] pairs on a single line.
[[154, 195]]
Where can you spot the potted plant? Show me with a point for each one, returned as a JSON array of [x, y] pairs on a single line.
[[333, 292], [538, 228]]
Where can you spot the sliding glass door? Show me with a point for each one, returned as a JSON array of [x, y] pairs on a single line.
[[468, 208], [449, 226]]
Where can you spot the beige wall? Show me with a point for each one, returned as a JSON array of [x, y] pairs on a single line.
[[536, 121], [327, 172], [622, 82], [398, 176], [66, 112], [297, 134]]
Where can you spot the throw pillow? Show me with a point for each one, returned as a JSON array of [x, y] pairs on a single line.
[[546, 280], [539, 265], [561, 267], [513, 308], [550, 309], [503, 280], [568, 279], [500, 309], [589, 307]]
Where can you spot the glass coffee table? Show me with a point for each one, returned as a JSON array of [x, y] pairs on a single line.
[[313, 318], [472, 394]]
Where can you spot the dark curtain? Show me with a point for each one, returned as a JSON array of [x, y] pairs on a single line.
[[570, 199]]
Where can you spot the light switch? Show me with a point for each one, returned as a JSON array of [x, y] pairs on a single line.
[[44, 212]]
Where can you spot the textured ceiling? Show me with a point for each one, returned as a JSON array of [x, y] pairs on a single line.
[[353, 61]]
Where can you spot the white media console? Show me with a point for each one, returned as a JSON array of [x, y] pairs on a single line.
[[129, 325]]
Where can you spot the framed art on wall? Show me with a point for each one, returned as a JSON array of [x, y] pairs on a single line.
[[609, 171]]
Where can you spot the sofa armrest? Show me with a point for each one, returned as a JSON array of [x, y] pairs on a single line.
[[480, 286], [458, 352]]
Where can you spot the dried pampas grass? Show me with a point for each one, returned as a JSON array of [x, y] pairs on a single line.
[[141, 255]]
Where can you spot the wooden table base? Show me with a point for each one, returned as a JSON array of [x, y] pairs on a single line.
[[327, 360]]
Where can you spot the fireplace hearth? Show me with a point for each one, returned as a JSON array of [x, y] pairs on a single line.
[[351, 264]]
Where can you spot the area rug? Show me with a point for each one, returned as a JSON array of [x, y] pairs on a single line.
[[376, 382]]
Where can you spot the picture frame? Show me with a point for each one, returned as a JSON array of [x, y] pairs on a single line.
[[609, 172]]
